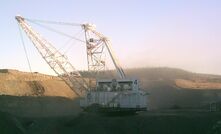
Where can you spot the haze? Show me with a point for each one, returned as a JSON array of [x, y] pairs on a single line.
[[180, 34]]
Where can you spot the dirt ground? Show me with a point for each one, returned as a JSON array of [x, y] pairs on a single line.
[[167, 87], [169, 122], [42, 104], [17, 83]]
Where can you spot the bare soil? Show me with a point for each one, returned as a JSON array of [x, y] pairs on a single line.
[[33, 103], [16, 83]]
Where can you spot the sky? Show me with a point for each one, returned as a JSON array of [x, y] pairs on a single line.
[[144, 33]]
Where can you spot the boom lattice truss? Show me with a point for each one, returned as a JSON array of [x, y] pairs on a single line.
[[58, 62], [95, 44]]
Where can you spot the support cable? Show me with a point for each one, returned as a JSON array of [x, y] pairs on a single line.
[[56, 31], [72, 44], [54, 22]]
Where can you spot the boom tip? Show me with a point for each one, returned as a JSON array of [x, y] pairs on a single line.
[[19, 17]]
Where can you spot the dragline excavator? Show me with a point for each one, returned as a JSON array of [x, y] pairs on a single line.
[[109, 95]]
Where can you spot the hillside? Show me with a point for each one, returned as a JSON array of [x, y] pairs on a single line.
[[171, 87], [167, 88], [41, 104], [34, 94], [16, 83], [176, 77]]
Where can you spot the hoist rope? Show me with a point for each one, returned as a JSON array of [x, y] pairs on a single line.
[[25, 50], [68, 44], [71, 44], [54, 22]]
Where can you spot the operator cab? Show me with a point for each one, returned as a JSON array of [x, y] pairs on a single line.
[[115, 85]]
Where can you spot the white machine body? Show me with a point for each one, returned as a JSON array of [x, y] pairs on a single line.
[[117, 95]]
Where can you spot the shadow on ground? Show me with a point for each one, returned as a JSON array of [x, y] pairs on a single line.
[[56, 115]]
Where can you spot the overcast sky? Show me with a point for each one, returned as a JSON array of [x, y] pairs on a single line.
[[158, 33]]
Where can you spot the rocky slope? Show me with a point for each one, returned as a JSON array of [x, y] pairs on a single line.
[[16, 83], [34, 94]]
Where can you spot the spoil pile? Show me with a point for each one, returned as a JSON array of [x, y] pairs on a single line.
[[17, 83]]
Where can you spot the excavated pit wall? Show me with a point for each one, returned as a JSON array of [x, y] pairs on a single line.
[[34, 94]]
